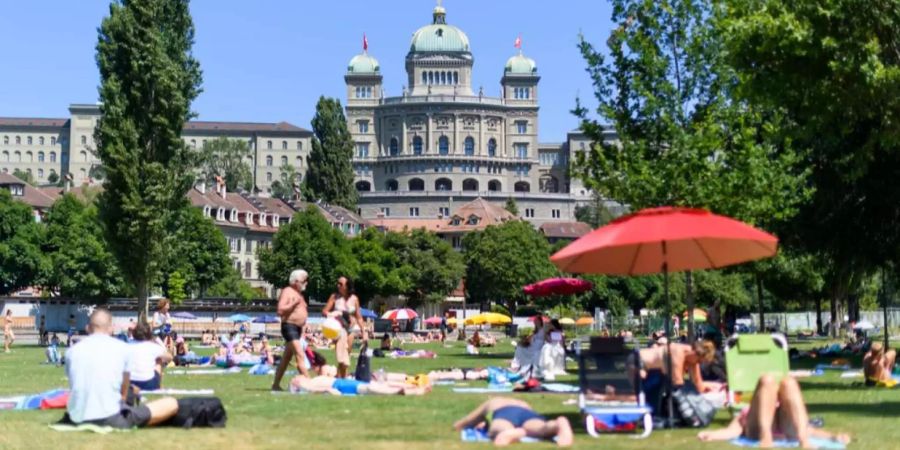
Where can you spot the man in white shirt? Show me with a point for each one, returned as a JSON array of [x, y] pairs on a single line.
[[98, 373]]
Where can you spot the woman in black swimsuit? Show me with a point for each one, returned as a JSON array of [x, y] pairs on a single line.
[[508, 421]]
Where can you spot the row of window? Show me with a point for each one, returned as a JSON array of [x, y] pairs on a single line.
[[522, 93], [298, 161], [443, 184], [364, 92], [40, 172], [441, 77], [29, 156], [445, 212], [363, 170], [552, 159], [269, 144], [446, 168], [444, 146], [30, 141]]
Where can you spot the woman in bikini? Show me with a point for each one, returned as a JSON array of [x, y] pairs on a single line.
[[508, 421], [344, 305], [8, 336], [777, 411]]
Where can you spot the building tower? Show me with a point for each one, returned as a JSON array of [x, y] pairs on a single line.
[[364, 94], [439, 59]]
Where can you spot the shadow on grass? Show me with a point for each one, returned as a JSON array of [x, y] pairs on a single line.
[[882, 409], [834, 386], [493, 356]]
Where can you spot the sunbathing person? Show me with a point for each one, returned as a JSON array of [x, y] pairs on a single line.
[[777, 411], [508, 421], [685, 359], [434, 375], [878, 365], [340, 386]]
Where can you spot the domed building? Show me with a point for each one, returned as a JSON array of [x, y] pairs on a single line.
[[441, 143]]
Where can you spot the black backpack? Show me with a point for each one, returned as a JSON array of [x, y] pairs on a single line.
[[363, 368], [694, 410], [199, 412]]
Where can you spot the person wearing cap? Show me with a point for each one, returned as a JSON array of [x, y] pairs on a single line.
[[878, 365]]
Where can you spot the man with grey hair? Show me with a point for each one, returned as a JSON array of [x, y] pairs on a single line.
[[293, 313], [99, 381]]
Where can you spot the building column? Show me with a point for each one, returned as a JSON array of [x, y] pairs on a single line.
[[503, 136], [379, 135], [428, 135], [455, 135], [481, 144], [403, 136]]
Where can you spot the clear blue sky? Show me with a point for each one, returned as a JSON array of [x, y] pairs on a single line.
[[269, 60]]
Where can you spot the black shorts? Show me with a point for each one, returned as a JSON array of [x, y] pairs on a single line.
[[290, 332], [127, 417]]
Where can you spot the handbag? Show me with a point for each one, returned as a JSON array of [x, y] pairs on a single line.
[[693, 409]]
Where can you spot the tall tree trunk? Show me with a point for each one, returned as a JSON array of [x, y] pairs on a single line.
[[689, 300], [885, 301], [142, 298], [759, 298], [819, 315]]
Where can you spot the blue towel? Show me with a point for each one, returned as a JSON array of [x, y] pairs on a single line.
[[816, 442], [560, 387], [830, 367], [480, 435]]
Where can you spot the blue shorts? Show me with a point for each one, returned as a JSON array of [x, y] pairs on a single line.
[[516, 415], [148, 385], [347, 387]]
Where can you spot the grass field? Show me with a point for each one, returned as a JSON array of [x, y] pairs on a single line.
[[259, 419]]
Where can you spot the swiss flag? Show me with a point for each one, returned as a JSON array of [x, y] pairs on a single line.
[[365, 42], [519, 42]]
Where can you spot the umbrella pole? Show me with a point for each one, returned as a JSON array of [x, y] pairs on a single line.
[[670, 414]]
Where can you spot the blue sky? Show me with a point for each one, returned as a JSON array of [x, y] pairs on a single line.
[[270, 60]]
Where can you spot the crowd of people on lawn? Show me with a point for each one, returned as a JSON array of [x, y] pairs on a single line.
[[109, 369]]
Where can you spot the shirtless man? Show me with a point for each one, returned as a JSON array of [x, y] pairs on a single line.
[[878, 365], [292, 310], [8, 336], [686, 359]]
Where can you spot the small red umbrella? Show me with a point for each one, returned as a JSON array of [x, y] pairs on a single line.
[[663, 240], [434, 321], [558, 286]]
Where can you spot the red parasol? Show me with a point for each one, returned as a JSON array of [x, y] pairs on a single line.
[[558, 286]]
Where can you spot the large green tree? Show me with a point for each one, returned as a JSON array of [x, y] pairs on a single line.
[[149, 78], [832, 67], [228, 159], [24, 176], [22, 263], [380, 269], [82, 265], [309, 242], [329, 175], [288, 180], [432, 266], [501, 259], [198, 254]]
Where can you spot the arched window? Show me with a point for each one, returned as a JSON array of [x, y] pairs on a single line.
[[40, 156], [83, 174], [269, 161], [443, 184], [52, 156], [416, 184], [29, 140], [52, 140], [83, 140], [417, 145], [41, 140], [470, 184], [284, 160], [494, 186], [29, 157], [492, 147], [248, 269], [549, 184], [522, 186], [363, 186], [455, 77], [444, 145], [394, 147], [470, 146], [83, 155], [443, 77], [284, 145], [269, 145], [6, 139], [391, 185], [4, 156], [269, 176], [424, 77], [17, 156], [299, 145], [430, 77]]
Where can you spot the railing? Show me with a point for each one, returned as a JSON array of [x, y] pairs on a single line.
[[443, 98], [449, 157], [486, 194]]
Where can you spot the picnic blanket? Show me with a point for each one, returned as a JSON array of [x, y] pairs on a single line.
[[204, 371], [481, 435], [99, 429], [52, 399], [414, 354], [816, 442]]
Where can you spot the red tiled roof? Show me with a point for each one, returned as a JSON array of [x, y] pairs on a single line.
[[31, 195], [31, 122], [565, 230], [274, 205], [401, 224]]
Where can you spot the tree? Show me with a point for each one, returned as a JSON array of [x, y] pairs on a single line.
[[329, 175], [309, 242], [284, 187], [380, 269], [431, 264], [149, 78], [228, 159], [802, 59], [595, 213], [198, 253], [511, 206], [501, 259], [24, 176], [22, 263], [82, 266], [233, 286], [53, 178]]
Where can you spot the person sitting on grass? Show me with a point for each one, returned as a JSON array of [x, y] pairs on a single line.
[[52, 352], [147, 359], [323, 384], [777, 411], [99, 377], [878, 365], [508, 420]]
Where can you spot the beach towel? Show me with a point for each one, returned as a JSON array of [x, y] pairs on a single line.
[[560, 388], [832, 367], [204, 371], [483, 390], [99, 429], [52, 399], [816, 442], [480, 435], [179, 392]]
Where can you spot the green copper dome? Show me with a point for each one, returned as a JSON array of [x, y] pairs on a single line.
[[520, 65], [439, 37], [363, 63]]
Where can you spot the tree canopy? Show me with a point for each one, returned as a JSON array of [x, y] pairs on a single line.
[[229, 159], [22, 263], [329, 176], [198, 254]]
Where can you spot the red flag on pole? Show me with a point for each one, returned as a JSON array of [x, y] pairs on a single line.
[[365, 42], [519, 42]]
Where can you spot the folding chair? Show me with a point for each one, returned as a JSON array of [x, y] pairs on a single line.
[[750, 356], [608, 368]]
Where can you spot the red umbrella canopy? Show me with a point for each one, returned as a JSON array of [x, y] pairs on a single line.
[[435, 320], [680, 238], [558, 286]]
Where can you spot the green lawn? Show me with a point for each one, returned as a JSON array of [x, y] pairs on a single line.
[[258, 419]]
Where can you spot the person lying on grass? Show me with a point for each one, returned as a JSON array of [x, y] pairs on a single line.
[[878, 365], [434, 375], [98, 371], [341, 386], [508, 420], [777, 411]]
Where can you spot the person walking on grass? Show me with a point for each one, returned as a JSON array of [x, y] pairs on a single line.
[[8, 336], [293, 313], [344, 306], [98, 371]]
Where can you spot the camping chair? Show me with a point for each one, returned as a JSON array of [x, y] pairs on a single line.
[[750, 356], [608, 367]]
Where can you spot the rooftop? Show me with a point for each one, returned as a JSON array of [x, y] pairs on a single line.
[[29, 194]]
